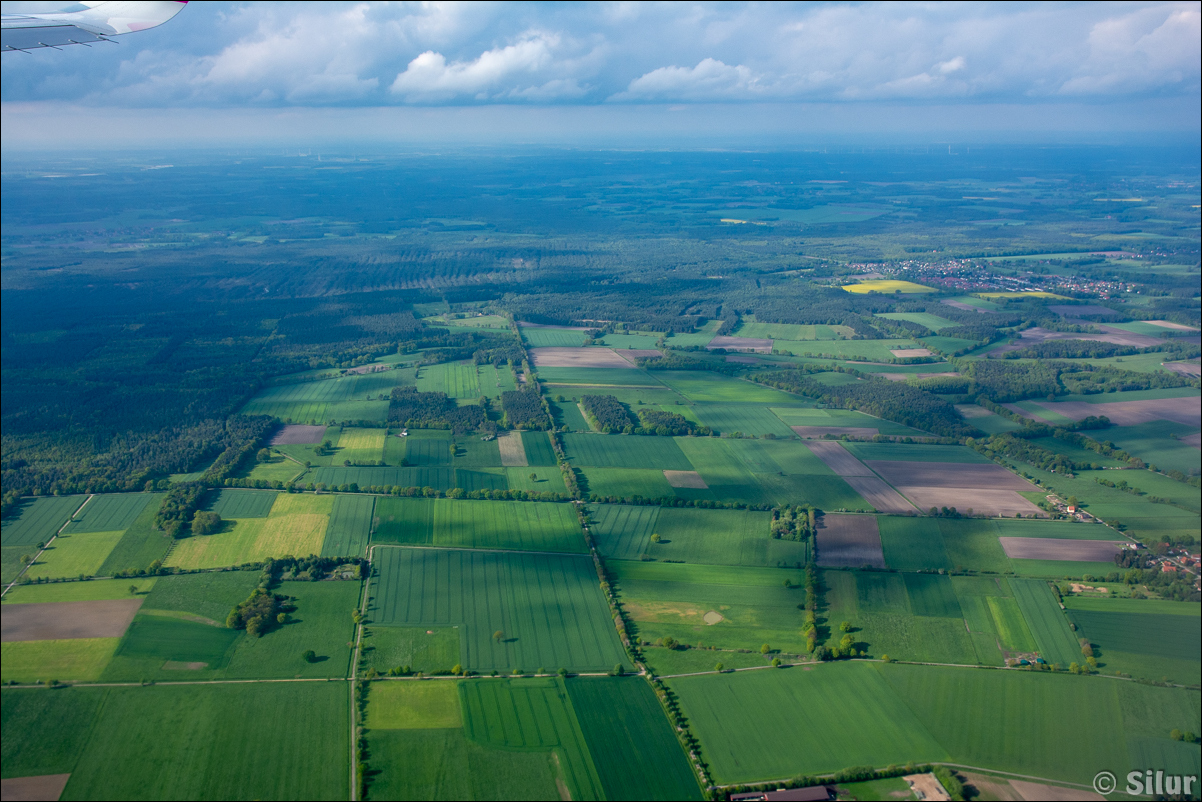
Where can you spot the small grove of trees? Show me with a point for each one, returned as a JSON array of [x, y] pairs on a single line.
[[524, 409], [794, 523], [206, 523], [669, 424], [178, 507], [607, 414], [259, 613], [408, 407]]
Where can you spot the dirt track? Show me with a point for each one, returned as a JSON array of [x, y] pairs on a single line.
[[687, 479], [67, 620], [849, 541]]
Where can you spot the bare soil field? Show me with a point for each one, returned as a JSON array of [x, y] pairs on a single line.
[[905, 352], [633, 354], [741, 344], [689, 479], [33, 789], [743, 360], [513, 454], [992, 787], [1038, 792], [1184, 368], [949, 474], [981, 501], [815, 432], [1194, 440], [67, 620], [1048, 548], [836, 456], [1187, 411], [1109, 334], [567, 357], [297, 435], [881, 496], [972, 411], [849, 541]]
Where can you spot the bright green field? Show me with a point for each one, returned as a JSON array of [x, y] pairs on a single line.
[[632, 745], [625, 451], [750, 327], [622, 532], [81, 659], [494, 381], [449, 523], [45, 733], [296, 526], [567, 413], [718, 389], [196, 739], [542, 338], [110, 513], [352, 397], [549, 608], [635, 341], [456, 379], [360, 446], [74, 555], [37, 520], [721, 537], [588, 377], [627, 482], [755, 420], [1147, 639], [141, 544], [421, 648], [912, 544]]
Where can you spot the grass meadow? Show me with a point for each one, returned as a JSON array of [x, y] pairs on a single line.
[[361, 445], [548, 608], [95, 590], [45, 733], [625, 451], [449, 523], [421, 648], [626, 482], [79, 659]]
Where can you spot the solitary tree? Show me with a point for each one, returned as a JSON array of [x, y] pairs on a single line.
[[309, 656], [498, 635], [133, 590], [655, 538], [765, 649], [718, 667], [263, 455], [533, 476]]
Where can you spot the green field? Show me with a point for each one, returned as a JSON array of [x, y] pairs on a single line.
[[796, 416], [37, 520], [200, 740], [548, 608], [360, 446], [580, 378], [632, 745], [456, 379], [74, 555], [1045, 725], [420, 648], [1152, 442], [352, 397], [45, 733], [932, 322], [625, 451], [715, 388], [296, 526], [753, 420], [567, 413], [831, 716], [750, 327], [912, 544], [1049, 625], [111, 513], [206, 595], [634, 341], [235, 503], [721, 537], [494, 381], [543, 338], [448, 523], [95, 590], [538, 449], [141, 544], [626, 483], [622, 532], [1148, 639], [972, 544], [349, 530], [439, 478]]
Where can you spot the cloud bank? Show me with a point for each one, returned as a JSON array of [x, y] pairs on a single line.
[[452, 54]]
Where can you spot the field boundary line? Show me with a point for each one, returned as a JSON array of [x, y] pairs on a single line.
[[42, 550]]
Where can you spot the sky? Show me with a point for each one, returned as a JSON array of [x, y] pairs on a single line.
[[619, 73]]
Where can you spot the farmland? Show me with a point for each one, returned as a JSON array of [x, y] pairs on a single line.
[[802, 527], [547, 609]]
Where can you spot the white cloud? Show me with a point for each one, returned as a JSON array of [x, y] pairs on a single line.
[[709, 80], [430, 78]]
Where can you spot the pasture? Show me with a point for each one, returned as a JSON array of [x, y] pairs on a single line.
[[450, 523], [95, 590], [622, 532], [198, 737], [887, 286], [420, 648], [912, 544], [37, 520], [750, 327], [627, 483], [109, 513], [44, 733], [715, 388], [548, 608], [297, 526], [753, 420], [853, 351], [493, 381]]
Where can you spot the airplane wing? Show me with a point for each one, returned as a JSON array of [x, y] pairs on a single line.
[[83, 23]]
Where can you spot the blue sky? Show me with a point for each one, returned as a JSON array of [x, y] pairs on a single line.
[[513, 72]]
